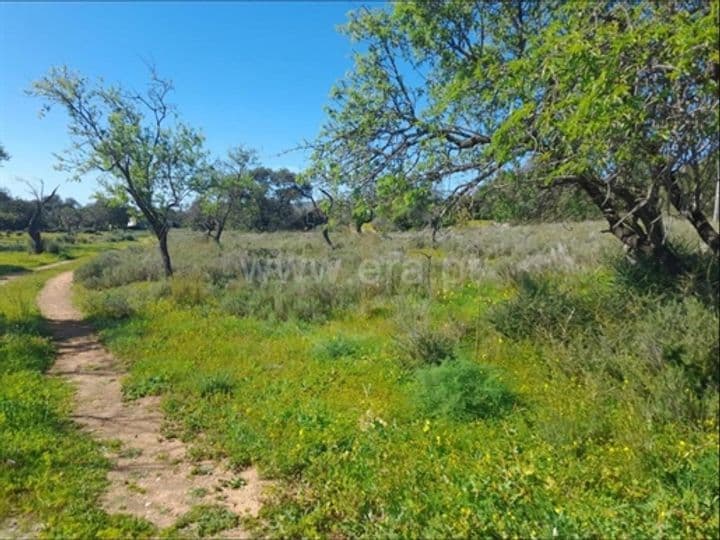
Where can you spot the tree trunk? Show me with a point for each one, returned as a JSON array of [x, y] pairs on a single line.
[[649, 244], [162, 236], [218, 232], [34, 231], [716, 207], [695, 216], [37, 243], [326, 236]]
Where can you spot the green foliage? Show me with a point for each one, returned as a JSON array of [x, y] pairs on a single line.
[[498, 100], [109, 305], [219, 383], [616, 435], [541, 310], [461, 390], [154, 385], [204, 520], [336, 347]]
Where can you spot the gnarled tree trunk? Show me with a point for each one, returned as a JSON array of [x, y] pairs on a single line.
[[162, 236]]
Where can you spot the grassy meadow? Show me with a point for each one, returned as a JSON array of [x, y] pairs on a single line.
[[507, 382], [16, 256]]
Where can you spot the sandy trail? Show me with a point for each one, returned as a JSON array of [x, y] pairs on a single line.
[[152, 477]]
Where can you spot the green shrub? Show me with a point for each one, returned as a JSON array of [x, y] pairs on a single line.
[[109, 305], [420, 342], [115, 268], [461, 390], [336, 347], [540, 309], [53, 246]]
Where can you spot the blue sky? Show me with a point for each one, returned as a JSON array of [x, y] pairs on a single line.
[[253, 73]]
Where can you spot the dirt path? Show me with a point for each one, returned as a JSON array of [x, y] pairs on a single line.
[[152, 476]]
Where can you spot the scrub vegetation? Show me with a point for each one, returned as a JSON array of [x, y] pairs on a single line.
[[458, 350], [555, 387]]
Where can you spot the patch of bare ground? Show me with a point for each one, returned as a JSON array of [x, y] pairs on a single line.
[[152, 477]]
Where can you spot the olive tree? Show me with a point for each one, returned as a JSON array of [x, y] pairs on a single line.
[[135, 139], [617, 100]]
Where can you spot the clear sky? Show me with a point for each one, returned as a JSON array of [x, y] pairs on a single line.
[[253, 73]]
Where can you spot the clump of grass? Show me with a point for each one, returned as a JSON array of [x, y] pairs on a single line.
[[461, 390], [336, 347], [205, 520], [420, 341], [219, 383], [152, 385], [188, 291]]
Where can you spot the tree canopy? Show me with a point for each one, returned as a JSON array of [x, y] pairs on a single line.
[[618, 100], [147, 155]]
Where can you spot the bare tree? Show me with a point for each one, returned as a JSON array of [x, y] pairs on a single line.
[[34, 226]]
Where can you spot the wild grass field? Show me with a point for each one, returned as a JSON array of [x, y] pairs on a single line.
[[521, 381], [16, 256]]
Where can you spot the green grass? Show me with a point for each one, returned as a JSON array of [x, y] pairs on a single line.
[[15, 256], [598, 416], [51, 474]]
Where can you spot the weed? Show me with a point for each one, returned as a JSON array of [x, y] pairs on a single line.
[[205, 520]]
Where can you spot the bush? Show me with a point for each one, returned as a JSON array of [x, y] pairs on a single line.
[[540, 309], [188, 291], [115, 268], [53, 246], [420, 342], [461, 390], [109, 305]]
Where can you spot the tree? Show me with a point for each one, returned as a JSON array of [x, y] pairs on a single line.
[[35, 223], [135, 139], [104, 214], [616, 100], [4, 156], [230, 186]]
